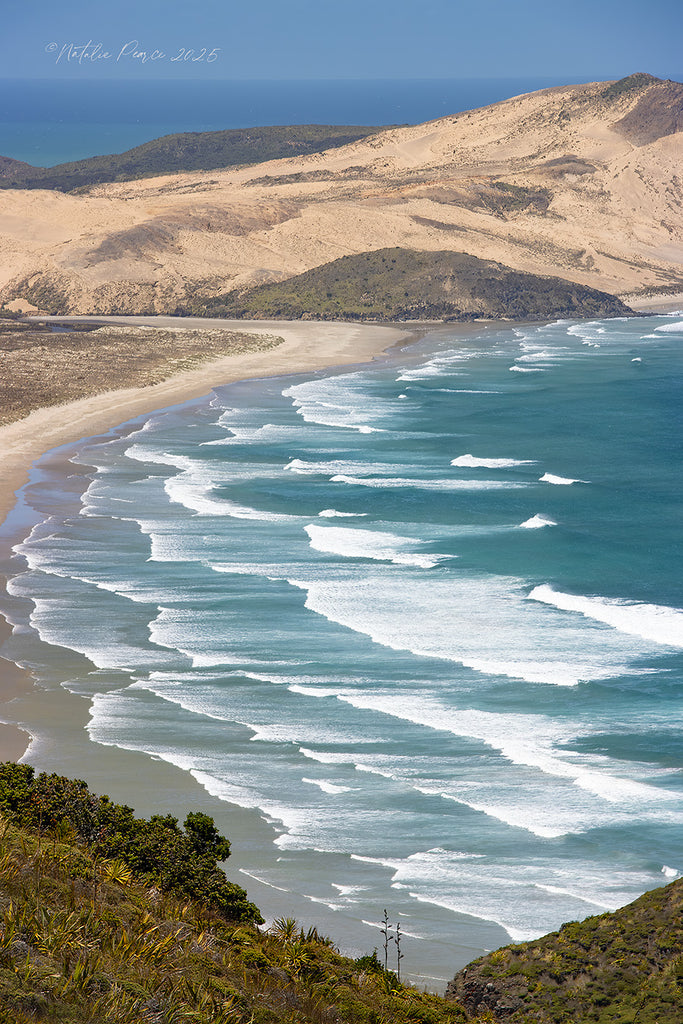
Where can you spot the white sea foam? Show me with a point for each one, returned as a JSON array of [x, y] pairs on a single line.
[[527, 369], [349, 890], [355, 543], [676, 328], [332, 513], [527, 900], [324, 757], [658, 623], [445, 364], [485, 623], [471, 461], [327, 787], [332, 466], [550, 478], [340, 401], [537, 522], [268, 433], [523, 739], [426, 485], [194, 486], [262, 881]]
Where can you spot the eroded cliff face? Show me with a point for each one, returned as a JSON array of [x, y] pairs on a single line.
[[581, 183], [622, 967]]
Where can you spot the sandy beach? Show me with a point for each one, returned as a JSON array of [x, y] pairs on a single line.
[[59, 717], [306, 346], [655, 303]]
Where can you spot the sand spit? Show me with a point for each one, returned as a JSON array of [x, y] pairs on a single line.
[[305, 346]]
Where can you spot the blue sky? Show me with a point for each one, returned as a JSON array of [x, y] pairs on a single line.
[[280, 39]]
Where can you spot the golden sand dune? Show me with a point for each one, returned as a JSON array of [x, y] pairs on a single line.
[[581, 182]]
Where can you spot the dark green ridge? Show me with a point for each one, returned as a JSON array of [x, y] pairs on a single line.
[[186, 151], [404, 284]]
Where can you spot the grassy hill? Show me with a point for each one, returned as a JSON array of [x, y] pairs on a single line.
[[620, 968], [403, 284], [105, 917], [186, 151], [109, 918]]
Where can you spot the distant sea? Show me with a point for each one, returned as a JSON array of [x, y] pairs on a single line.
[[415, 627], [48, 122]]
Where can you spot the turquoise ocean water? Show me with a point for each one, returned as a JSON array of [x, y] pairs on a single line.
[[424, 618]]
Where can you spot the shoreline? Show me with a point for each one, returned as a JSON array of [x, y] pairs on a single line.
[[120, 771], [307, 346]]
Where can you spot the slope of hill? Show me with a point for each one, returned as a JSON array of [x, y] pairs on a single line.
[[185, 151], [107, 917], [401, 284], [625, 968], [10, 168], [579, 182]]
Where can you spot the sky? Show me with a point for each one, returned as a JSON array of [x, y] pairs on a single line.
[[332, 39]]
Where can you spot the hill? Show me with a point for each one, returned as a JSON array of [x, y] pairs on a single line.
[[579, 182], [10, 168], [109, 918], [184, 151], [105, 917], [621, 968], [401, 284]]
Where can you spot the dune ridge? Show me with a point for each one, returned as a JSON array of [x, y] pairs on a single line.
[[578, 182]]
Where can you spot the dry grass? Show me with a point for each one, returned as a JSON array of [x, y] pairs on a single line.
[[42, 367]]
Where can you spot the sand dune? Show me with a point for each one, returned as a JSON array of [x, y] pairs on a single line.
[[579, 182]]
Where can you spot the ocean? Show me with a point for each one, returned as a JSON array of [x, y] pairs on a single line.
[[415, 629], [46, 122]]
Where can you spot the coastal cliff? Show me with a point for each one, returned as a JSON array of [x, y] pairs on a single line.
[[109, 917]]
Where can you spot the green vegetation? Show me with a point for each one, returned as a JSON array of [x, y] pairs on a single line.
[[640, 80], [186, 151], [403, 284], [105, 917], [183, 863], [620, 968], [108, 918]]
